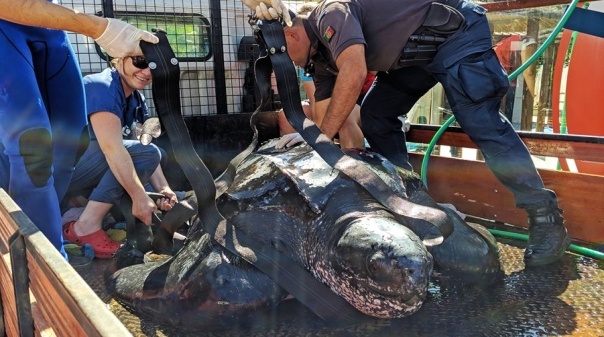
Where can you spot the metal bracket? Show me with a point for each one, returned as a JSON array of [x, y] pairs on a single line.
[[18, 260]]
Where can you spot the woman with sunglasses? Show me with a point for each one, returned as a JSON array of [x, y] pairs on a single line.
[[116, 161]]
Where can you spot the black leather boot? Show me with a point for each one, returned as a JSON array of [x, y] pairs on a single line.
[[548, 238]]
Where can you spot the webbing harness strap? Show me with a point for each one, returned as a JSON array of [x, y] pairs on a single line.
[[278, 266], [430, 224]]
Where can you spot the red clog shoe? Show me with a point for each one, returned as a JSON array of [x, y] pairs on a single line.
[[103, 246]]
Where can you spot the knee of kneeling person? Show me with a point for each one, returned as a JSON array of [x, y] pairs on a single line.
[[35, 147], [146, 156], [284, 126], [348, 127], [163, 156]]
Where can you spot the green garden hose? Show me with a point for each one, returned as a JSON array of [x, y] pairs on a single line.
[[573, 248]]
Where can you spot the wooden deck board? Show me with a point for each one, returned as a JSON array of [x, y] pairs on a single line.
[[560, 146], [473, 189]]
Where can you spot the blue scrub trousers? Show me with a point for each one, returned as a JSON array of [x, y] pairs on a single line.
[[42, 121], [93, 178]]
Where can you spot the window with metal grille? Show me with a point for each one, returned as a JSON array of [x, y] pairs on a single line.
[[189, 34]]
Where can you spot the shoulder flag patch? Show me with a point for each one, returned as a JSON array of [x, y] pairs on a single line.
[[329, 33]]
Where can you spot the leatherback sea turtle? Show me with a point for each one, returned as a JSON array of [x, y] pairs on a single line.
[[327, 224]]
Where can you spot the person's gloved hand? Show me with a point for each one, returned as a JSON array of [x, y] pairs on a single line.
[[121, 39], [269, 10], [289, 140]]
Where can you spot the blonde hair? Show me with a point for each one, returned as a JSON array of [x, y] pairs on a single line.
[[113, 62]]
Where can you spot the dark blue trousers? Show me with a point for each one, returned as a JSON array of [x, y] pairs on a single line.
[[93, 178], [474, 82]]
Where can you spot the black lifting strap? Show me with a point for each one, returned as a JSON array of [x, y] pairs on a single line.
[[278, 266], [430, 224]]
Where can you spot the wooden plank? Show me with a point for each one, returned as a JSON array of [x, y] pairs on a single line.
[[8, 298], [7, 228], [473, 189], [61, 299], [497, 6], [59, 306], [561, 146]]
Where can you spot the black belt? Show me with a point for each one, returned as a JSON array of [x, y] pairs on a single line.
[[440, 23]]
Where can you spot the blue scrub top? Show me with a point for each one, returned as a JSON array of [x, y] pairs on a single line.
[[104, 92]]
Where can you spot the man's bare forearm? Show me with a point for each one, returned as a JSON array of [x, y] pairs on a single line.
[[351, 76], [41, 13]]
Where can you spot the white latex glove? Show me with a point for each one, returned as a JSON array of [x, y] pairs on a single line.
[[121, 39], [269, 10], [289, 140]]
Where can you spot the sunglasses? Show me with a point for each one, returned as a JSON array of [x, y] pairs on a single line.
[[139, 62]]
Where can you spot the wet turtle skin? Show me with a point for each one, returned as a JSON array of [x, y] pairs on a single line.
[[293, 201]]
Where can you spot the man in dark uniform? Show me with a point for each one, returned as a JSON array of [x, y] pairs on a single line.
[[413, 45]]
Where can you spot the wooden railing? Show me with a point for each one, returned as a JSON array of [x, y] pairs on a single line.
[[496, 6], [60, 303], [473, 189]]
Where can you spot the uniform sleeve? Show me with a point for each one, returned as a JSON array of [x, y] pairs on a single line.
[[339, 29], [101, 97]]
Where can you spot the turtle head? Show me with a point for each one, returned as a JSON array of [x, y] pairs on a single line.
[[382, 267]]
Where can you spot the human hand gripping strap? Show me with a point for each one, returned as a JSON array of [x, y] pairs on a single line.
[[430, 224], [278, 266], [121, 39], [269, 10]]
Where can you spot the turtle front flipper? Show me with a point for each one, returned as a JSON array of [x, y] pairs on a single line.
[[197, 288]]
